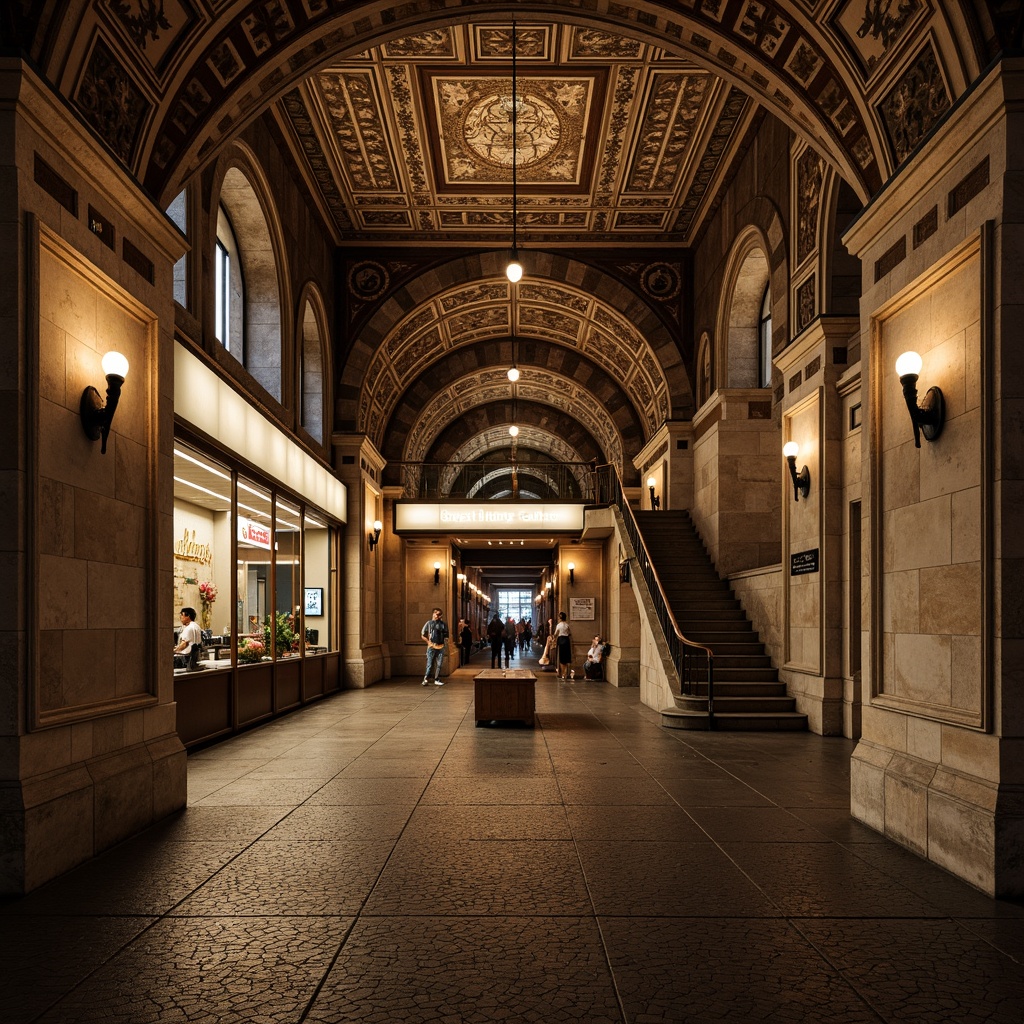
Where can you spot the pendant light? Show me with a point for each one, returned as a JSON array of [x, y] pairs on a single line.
[[514, 270]]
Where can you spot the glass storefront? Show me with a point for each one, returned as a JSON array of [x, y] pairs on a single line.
[[277, 603]]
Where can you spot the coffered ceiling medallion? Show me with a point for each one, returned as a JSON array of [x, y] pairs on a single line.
[[474, 126]]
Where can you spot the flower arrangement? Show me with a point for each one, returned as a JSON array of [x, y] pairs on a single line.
[[283, 633], [207, 595], [251, 650]]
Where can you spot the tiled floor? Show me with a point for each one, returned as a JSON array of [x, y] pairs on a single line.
[[378, 858]]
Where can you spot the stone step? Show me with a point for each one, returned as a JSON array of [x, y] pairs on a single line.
[[725, 721]]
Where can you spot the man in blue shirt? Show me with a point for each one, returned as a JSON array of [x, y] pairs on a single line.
[[435, 633]]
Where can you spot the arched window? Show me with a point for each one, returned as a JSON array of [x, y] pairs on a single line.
[[248, 286], [703, 370], [312, 378], [741, 363], [229, 287], [178, 213], [764, 339]]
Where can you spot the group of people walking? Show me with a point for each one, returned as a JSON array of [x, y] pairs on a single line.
[[506, 638]]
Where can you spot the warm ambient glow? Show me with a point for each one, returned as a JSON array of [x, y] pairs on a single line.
[[514, 430], [377, 525], [513, 374], [908, 364], [572, 566], [651, 482], [514, 270], [114, 365], [791, 449], [437, 565]]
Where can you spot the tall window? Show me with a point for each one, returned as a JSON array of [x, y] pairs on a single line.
[[764, 340], [178, 213], [229, 288]]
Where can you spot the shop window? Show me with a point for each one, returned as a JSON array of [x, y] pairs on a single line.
[[288, 604], [255, 576], [278, 597], [318, 596], [202, 545]]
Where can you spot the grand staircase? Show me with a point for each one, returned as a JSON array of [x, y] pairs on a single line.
[[748, 693]]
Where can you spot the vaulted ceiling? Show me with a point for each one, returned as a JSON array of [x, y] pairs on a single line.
[[630, 117]]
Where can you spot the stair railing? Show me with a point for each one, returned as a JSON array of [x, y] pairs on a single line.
[[688, 656]]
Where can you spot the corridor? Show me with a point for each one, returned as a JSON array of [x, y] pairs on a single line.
[[377, 857]]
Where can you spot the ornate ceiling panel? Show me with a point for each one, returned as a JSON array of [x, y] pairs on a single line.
[[495, 310], [614, 140]]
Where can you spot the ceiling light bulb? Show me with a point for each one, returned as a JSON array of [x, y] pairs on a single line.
[[514, 270], [513, 374], [514, 430]]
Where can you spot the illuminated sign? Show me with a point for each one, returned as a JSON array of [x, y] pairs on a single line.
[[253, 533], [487, 517]]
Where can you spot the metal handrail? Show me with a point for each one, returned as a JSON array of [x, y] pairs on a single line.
[[682, 649]]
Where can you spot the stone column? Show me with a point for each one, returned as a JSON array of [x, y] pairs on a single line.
[[88, 746], [360, 467], [939, 765]]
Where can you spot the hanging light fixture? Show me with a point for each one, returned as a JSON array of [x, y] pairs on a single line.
[[514, 270]]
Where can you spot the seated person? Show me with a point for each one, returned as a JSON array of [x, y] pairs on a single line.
[[190, 634], [592, 666]]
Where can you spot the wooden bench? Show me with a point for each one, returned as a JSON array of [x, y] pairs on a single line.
[[504, 695]]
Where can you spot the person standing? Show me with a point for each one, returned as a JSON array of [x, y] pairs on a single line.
[[435, 633], [563, 641], [509, 638], [466, 642], [495, 634]]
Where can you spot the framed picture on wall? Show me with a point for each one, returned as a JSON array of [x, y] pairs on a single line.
[[314, 600]]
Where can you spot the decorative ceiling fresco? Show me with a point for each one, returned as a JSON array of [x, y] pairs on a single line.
[[616, 141], [629, 119]]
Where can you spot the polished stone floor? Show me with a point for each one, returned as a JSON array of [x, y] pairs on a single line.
[[378, 858]]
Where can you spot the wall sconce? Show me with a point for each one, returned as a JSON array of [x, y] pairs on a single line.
[[929, 415], [801, 480], [655, 500], [461, 577], [374, 536], [97, 415], [572, 573], [437, 573]]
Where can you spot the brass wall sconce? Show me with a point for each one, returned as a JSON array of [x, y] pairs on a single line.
[[572, 573], [928, 415], [655, 500], [801, 480], [96, 414], [437, 573], [374, 536]]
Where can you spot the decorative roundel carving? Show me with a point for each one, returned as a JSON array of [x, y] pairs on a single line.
[[488, 129], [660, 281], [368, 280]]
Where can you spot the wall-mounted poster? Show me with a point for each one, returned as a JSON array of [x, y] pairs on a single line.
[[314, 600], [581, 609]]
